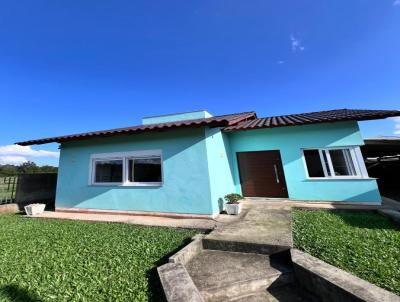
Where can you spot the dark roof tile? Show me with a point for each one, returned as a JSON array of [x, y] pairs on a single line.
[[313, 118], [233, 122]]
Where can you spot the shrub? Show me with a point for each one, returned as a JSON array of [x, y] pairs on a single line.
[[233, 198]]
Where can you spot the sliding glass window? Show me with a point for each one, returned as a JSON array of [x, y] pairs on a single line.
[[130, 168], [334, 163]]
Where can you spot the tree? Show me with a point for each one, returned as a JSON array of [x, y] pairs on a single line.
[[7, 170], [28, 167], [48, 169]]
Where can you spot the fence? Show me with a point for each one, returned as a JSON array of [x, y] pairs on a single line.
[[29, 188], [8, 187], [36, 188]]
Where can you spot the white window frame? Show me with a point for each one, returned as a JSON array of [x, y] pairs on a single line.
[[125, 157], [92, 172], [356, 157]]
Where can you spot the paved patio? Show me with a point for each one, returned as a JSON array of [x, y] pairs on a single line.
[[390, 204], [203, 224], [387, 203], [259, 214]]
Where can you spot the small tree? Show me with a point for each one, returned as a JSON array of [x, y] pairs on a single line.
[[233, 198]]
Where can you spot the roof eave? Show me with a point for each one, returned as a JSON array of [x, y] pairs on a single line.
[[121, 131], [81, 137]]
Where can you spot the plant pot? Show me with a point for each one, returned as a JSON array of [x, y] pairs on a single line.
[[34, 209], [233, 208]]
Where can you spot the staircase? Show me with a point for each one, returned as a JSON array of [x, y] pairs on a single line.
[[236, 277], [248, 260]]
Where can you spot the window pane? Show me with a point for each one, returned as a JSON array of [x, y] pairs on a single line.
[[325, 162], [145, 169], [342, 162], [108, 171], [314, 164]]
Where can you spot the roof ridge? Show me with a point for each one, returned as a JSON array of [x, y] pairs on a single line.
[[202, 118]]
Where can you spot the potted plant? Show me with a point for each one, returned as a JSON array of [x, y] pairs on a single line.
[[233, 206], [34, 209]]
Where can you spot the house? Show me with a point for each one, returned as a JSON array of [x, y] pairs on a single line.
[[183, 164]]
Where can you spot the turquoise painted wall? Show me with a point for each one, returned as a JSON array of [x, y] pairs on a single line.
[[186, 187], [290, 141], [220, 167], [200, 167]]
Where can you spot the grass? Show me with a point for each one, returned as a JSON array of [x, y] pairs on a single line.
[[55, 260], [364, 244]]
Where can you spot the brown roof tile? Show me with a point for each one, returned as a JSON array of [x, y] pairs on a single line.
[[233, 122], [313, 118], [215, 121]]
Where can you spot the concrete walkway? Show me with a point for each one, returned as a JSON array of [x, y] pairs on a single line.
[[268, 221], [390, 204], [263, 221], [387, 203], [261, 224], [201, 224]]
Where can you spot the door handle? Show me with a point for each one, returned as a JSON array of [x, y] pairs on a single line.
[[276, 173]]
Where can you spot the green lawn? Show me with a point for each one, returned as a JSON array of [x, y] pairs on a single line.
[[364, 244], [55, 260]]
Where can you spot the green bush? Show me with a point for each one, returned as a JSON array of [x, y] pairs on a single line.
[[362, 243], [233, 198]]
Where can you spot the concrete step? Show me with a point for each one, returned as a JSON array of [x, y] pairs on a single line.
[[261, 296], [246, 288], [221, 275], [243, 247], [287, 293]]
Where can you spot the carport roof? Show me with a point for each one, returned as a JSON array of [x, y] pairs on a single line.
[[328, 116]]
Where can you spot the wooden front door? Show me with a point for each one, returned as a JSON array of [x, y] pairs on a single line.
[[261, 174]]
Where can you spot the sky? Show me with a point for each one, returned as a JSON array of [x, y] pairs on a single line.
[[76, 66]]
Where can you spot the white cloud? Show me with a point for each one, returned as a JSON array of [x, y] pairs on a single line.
[[396, 125], [280, 62], [396, 3], [12, 160], [15, 154], [296, 44]]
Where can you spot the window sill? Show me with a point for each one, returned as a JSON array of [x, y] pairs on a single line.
[[339, 178], [122, 185]]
